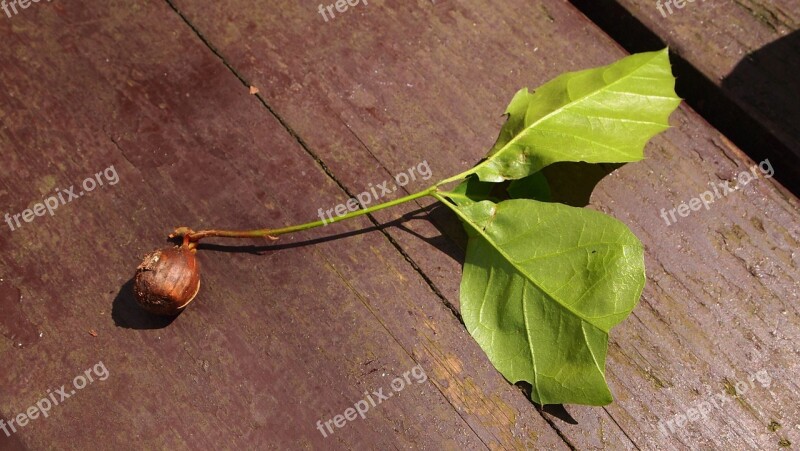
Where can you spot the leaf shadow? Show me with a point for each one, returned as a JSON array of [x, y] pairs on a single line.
[[556, 410], [765, 80], [572, 183]]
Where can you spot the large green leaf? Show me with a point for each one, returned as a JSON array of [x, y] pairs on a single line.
[[601, 115], [543, 284]]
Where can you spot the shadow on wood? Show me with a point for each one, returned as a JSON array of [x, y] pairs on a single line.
[[126, 312], [440, 242], [556, 410], [769, 78], [573, 183]]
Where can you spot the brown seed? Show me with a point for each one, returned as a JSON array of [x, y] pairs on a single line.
[[167, 280]]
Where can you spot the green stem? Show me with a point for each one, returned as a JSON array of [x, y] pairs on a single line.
[[191, 237]]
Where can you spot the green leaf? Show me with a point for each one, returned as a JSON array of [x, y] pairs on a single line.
[[543, 284], [601, 115]]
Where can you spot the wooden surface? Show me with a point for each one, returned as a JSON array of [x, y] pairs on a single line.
[[283, 335]]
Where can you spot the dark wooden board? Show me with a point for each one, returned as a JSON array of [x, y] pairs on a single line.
[[287, 334]]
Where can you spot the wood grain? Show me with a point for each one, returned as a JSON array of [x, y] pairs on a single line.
[[283, 335]]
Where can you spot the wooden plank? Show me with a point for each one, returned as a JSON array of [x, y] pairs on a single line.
[[737, 64], [279, 339], [383, 87]]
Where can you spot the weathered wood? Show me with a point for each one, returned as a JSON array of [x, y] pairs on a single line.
[[279, 340], [275, 342], [721, 297]]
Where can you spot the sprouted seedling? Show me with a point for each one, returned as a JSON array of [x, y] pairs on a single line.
[[543, 282]]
